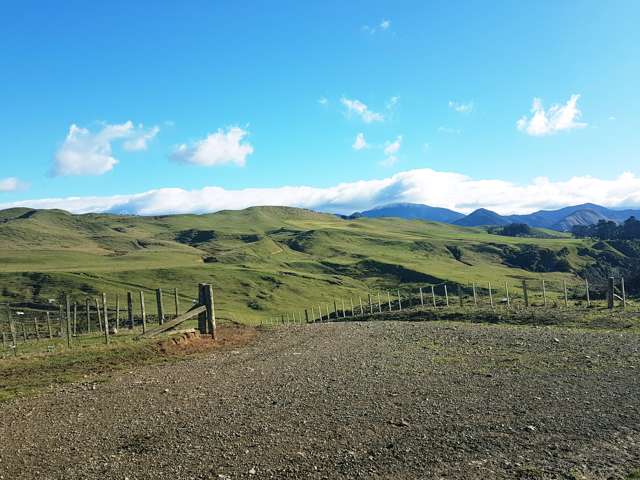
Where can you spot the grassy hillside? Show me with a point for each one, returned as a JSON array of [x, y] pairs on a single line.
[[262, 260]]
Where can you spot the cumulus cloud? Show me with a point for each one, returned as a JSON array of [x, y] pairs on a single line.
[[219, 148], [11, 184], [385, 24], [443, 189], [359, 142], [86, 153], [390, 151], [140, 141], [323, 101], [358, 108], [461, 107], [556, 119]]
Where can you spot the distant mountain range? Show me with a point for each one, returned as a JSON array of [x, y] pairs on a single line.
[[563, 219]]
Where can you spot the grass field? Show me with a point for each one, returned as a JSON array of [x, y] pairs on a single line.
[[261, 261]]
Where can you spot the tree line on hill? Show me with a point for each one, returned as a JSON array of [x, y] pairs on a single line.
[[609, 230]]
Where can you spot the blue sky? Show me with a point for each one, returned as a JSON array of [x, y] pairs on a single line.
[[229, 103]]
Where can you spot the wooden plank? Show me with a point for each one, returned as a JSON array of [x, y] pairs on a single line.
[[175, 322]]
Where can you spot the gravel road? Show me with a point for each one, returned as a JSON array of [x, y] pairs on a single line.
[[387, 400]]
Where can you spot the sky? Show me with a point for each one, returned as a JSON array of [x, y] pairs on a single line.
[[196, 106]]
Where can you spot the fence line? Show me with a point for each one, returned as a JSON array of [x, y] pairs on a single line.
[[101, 315], [615, 296]]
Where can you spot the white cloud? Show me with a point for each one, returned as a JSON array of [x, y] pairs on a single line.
[[461, 107], [392, 103], [323, 101], [448, 130], [390, 151], [219, 148], [11, 184], [442, 189], [360, 142], [556, 119], [87, 153], [383, 26], [141, 139], [360, 109]]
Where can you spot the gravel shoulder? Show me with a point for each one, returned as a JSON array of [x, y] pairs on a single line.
[[387, 400]]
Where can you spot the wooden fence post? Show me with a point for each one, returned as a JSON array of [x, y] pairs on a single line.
[[106, 318], [475, 295], [176, 301], [344, 313], [525, 292], [24, 331], [352, 307], [12, 329], [586, 286], [379, 303], [130, 319], [389, 299], [624, 293], [610, 293], [35, 327], [433, 296], [99, 313], [202, 318], [117, 312], [68, 305], [421, 298], [211, 310], [490, 295], [160, 306], [143, 312], [446, 295], [88, 313], [75, 318], [506, 289], [544, 293], [566, 296], [50, 331], [306, 316], [370, 304], [460, 299], [361, 308]]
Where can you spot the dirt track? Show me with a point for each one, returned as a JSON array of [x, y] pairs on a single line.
[[385, 400]]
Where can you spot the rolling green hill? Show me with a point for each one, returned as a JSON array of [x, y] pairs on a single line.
[[267, 260]]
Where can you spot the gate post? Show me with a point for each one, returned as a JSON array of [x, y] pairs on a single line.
[[202, 318]]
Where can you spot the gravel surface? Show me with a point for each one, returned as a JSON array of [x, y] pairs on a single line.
[[392, 400]]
